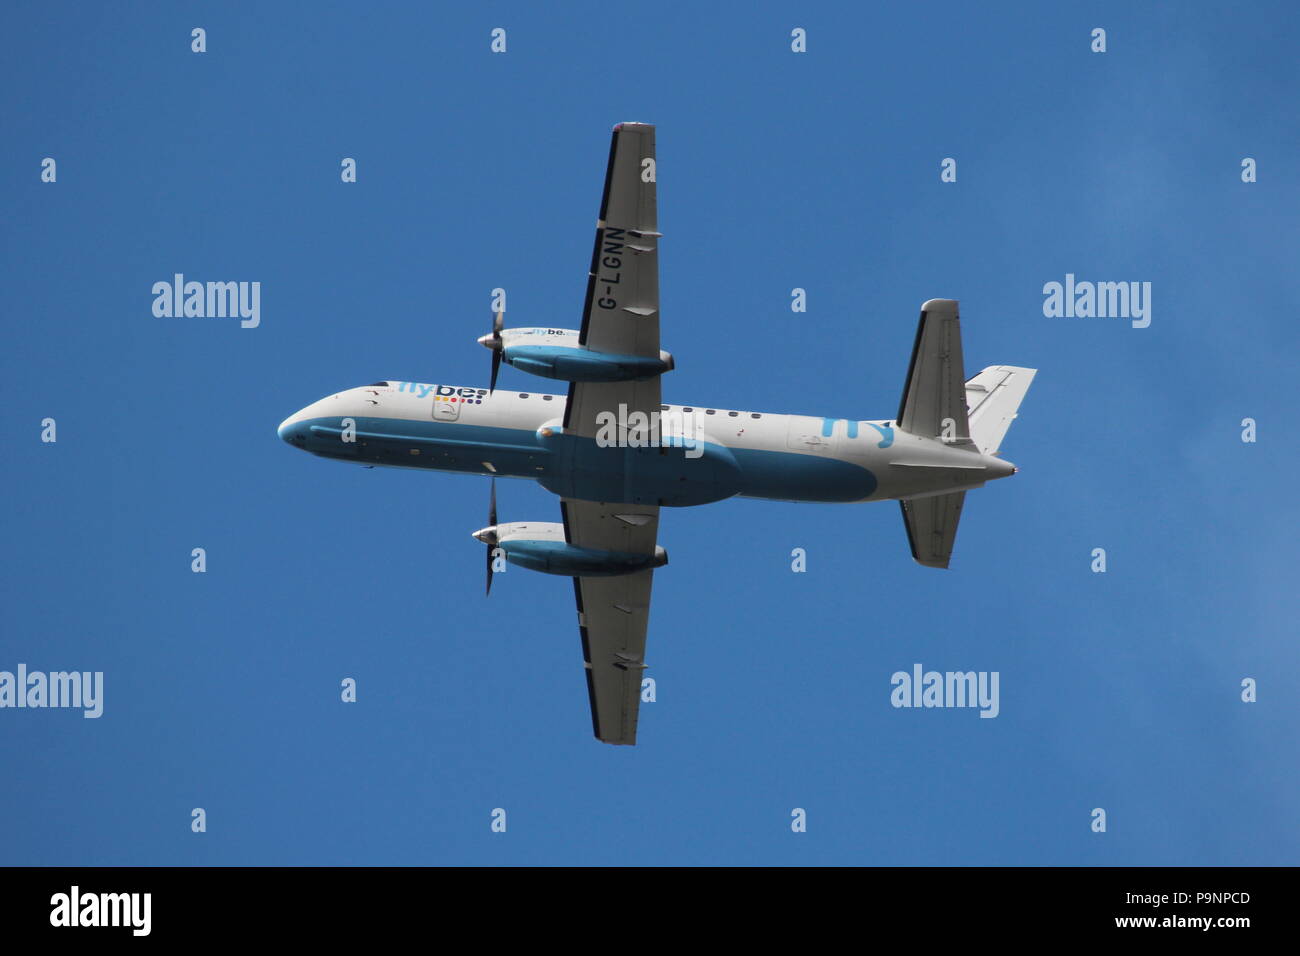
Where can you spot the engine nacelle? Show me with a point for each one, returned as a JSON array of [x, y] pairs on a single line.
[[540, 546], [556, 354]]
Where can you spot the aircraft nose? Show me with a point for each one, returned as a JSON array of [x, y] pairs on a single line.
[[291, 430]]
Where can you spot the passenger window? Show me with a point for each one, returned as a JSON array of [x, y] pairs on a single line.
[[733, 414]]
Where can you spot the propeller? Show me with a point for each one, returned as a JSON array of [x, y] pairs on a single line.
[[493, 342], [489, 535]]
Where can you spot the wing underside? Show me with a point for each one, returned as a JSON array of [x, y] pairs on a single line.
[[620, 316], [613, 612], [621, 311]]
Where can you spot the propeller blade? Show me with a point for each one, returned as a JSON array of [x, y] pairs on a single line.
[[491, 544], [498, 320]]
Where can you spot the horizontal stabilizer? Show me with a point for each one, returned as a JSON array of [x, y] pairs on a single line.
[[931, 524], [934, 397]]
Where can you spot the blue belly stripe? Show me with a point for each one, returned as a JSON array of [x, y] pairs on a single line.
[[514, 452]]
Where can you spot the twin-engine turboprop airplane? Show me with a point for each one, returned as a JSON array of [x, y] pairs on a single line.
[[615, 455]]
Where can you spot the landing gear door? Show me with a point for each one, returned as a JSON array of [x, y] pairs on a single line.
[[816, 436], [445, 409]]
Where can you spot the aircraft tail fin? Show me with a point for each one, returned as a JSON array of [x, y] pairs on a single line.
[[938, 404], [993, 398]]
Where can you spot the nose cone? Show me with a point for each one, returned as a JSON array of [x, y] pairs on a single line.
[[486, 535], [489, 341], [292, 430]]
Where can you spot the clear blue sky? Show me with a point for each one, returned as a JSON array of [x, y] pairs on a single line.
[[776, 170]]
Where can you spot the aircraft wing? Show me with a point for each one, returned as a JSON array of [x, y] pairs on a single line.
[[621, 313], [613, 611]]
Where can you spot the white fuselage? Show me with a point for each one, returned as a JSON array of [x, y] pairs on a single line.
[[751, 454]]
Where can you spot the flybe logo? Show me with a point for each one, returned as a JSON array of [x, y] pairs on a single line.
[[886, 434], [851, 430], [444, 393]]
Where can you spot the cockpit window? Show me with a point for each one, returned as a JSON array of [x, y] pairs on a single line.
[[377, 384]]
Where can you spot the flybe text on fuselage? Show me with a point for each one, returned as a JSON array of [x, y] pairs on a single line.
[[464, 394]]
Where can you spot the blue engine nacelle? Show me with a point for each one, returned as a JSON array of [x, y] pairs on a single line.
[[556, 557], [540, 546], [556, 354]]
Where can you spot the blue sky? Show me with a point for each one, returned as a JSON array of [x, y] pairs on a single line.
[[776, 170]]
